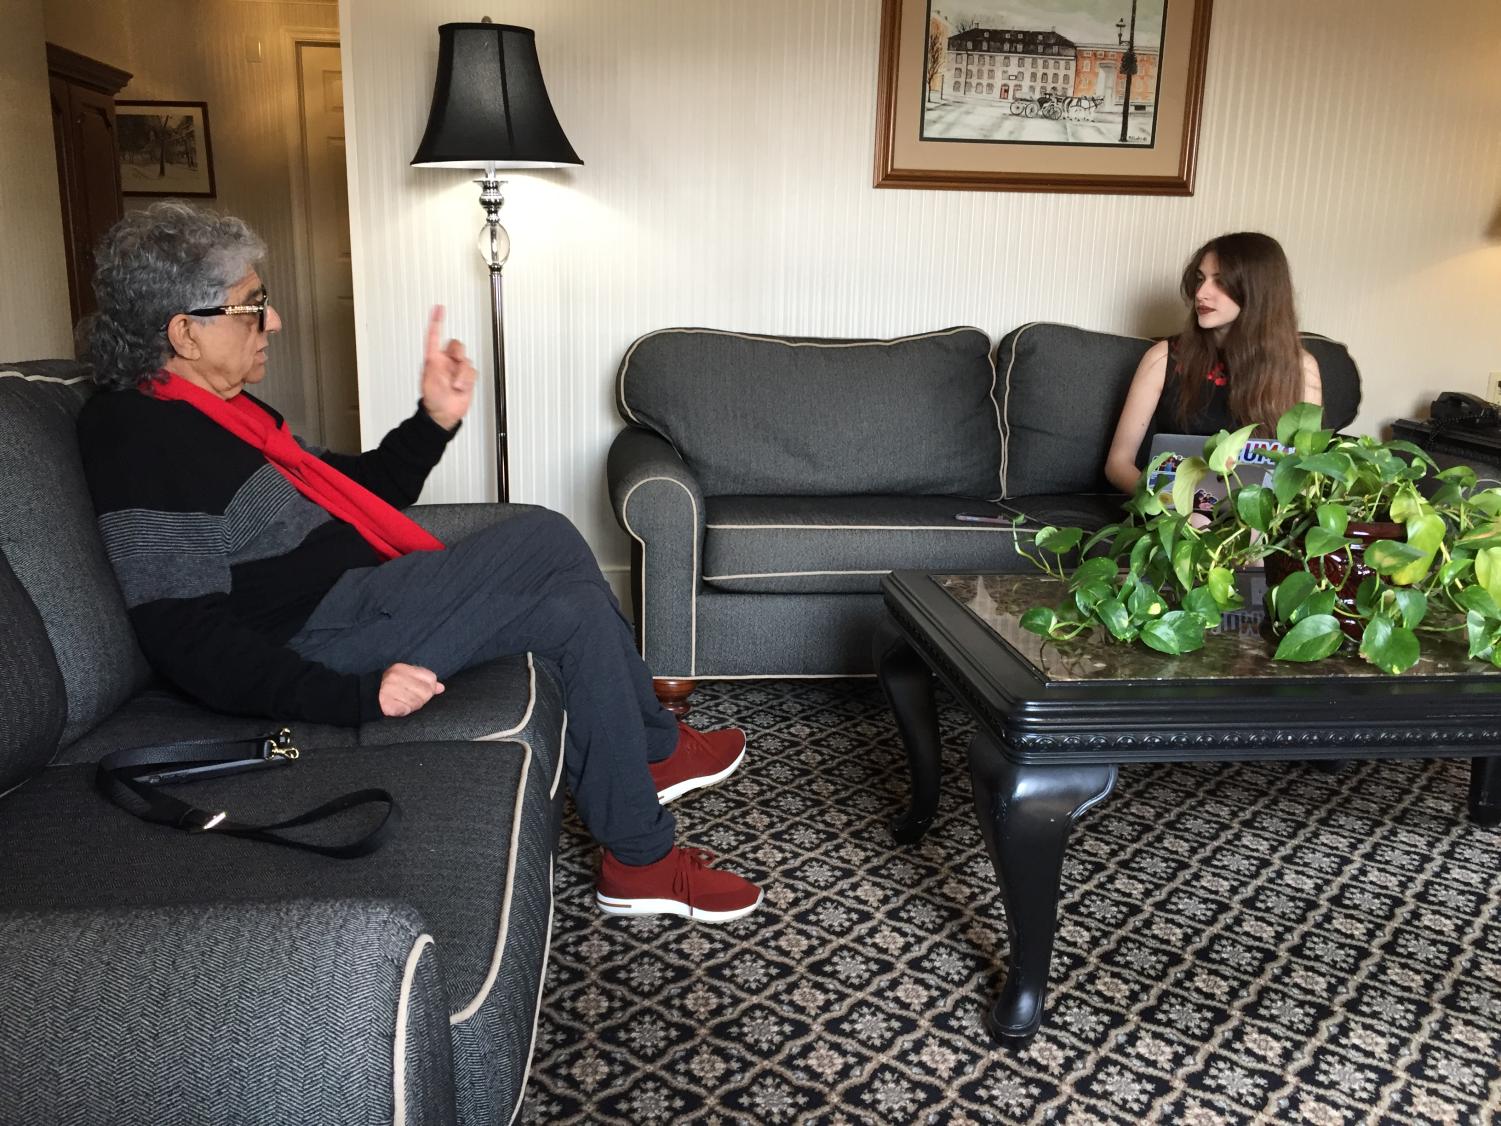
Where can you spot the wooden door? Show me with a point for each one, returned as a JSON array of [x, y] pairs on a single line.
[[88, 161]]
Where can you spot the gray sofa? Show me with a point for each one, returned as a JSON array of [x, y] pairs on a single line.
[[149, 975], [768, 483]]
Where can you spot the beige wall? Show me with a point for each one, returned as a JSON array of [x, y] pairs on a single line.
[[34, 310], [204, 50], [729, 151]]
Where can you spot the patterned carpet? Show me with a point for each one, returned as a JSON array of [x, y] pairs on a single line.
[[1238, 944]]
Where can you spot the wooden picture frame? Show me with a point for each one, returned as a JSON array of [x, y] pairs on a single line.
[[164, 148], [995, 106]]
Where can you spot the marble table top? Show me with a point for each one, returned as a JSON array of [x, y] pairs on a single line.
[[1238, 650]]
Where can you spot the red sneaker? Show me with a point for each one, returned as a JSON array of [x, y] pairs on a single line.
[[681, 883], [701, 759]]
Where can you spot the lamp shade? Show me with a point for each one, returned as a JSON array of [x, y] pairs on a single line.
[[490, 105]]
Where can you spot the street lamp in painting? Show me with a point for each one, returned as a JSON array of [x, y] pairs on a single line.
[[1128, 67]]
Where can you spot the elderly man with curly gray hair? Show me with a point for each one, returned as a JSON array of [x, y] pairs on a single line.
[[266, 577]]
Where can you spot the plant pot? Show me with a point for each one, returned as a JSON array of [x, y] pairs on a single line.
[[1344, 572]]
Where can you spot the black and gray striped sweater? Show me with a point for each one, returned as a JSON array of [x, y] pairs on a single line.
[[221, 559]]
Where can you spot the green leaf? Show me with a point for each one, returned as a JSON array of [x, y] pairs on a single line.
[[1167, 532], [1175, 632], [1199, 601], [1487, 534], [1488, 571], [1488, 501], [1289, 594], [1288, 479], [1222, 589], [1321, 541], [1099, 569], [1425, 532], [1145, 603], [1255, 505], [1334, 518], [1116, 619], [1461, 475], [1039, 620], [1227, 450], [1388, 556], [1312, 441], [1191, 470], [1477, 601], [1312, 639], [1412, 604], [1319, 602], [1183, 562], [1336, 465], [1141, 551], [1389, 647], [1303, 416], [1481, 631], [1458, 564], [1406, 505], [1059, 540], [1368, 594], [1400, 446]]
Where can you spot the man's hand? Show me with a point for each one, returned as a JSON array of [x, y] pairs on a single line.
[[447, 376], [405, 688]]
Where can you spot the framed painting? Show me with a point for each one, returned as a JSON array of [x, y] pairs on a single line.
[[164, 148], [1095, 96]]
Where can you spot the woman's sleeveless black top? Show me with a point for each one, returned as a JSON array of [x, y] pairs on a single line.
[[1213, 414]]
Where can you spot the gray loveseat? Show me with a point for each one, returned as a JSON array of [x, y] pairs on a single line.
[[152, 976], [768, 483]]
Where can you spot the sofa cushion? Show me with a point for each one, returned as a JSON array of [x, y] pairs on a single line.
[[1340, 377], [1061, 392], [48, 533], [34, 707], [768, 415], [846, 544]]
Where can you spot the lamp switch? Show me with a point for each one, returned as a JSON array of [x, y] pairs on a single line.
[[1493, 387]]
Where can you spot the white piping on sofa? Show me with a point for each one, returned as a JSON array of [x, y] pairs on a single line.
[[509, 890], [403, 1012]]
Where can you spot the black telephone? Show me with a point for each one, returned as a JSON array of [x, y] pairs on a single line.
[[1457, 409]]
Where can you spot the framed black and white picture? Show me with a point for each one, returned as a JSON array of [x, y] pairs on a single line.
[[164, 148]]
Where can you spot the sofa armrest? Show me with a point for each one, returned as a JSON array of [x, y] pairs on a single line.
[[658, 501], [303, 1011], [454, 522]]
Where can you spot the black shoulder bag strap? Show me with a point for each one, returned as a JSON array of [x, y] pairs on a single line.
[[130, 778]]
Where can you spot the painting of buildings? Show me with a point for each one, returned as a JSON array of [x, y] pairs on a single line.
[[1067, 72]]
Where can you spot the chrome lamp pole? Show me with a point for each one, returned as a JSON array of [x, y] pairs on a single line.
[[490, 110]]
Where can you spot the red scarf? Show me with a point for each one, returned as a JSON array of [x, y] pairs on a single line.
[[386, 529]]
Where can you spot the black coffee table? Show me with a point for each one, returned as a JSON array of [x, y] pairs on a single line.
[[1053, 723]]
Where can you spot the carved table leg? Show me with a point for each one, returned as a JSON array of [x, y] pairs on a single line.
[[908, 685], [1485, 790], [674, 694], [1026, 814]]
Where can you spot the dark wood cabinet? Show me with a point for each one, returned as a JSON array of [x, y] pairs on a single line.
[[88, 161]]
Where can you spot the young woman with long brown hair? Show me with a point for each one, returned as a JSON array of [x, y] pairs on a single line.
[[1237, 361]]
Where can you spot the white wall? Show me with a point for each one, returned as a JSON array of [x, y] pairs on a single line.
[[729, 156], [205, 50], [34, 308]]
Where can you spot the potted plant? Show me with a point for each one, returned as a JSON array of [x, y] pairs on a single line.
[[1357, 555]]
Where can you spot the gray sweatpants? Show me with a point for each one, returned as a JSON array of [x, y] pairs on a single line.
[[529, 583]]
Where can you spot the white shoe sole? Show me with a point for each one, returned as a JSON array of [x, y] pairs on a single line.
[[670, 907], [688, 785]]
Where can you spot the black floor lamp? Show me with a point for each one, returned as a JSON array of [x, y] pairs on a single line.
[[490, 110]]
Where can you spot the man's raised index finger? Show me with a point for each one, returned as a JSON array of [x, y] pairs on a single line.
[[434, 329]]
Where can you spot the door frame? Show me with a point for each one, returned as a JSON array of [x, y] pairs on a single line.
[[312, 384]]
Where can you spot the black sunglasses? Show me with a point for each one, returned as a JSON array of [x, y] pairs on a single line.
[[258, 309]]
